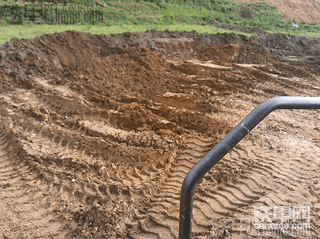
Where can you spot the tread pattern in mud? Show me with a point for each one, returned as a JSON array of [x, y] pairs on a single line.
[[26, 209], [105, 142]]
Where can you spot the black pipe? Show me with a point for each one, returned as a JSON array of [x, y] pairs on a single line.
[[225, 145]]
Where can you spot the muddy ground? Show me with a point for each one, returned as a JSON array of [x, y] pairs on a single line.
[[98, 132]]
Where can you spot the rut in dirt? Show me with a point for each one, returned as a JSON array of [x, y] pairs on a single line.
[[26, 209], [108, 127]]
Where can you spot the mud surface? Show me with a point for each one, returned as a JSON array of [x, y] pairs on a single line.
[[98, 132]]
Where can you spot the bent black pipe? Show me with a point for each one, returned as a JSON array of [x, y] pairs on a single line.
[[225, 145]]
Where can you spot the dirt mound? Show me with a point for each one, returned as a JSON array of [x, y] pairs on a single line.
[[289, 45], [98, 132], [66, 52], [233, 53], [301, 10]]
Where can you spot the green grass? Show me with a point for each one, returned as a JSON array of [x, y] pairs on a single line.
[[169, 14], [33, 30], [294, 32]]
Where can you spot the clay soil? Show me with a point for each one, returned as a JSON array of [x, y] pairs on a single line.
[[301, 10], [97, 133]]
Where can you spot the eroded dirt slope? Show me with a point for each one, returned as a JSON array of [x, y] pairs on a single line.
[[98, 132], [301, 10]]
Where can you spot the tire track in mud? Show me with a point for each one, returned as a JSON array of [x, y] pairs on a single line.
[[27, 210], [60, 152], [267, 181], [208, 204], [218, 203], [113, 138], [63, 152], [161, 221], [162, 218]]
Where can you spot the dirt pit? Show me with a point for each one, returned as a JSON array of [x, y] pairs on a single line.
[[98, 132]]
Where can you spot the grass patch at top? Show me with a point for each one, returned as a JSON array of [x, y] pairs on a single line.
[[182, 12], [34, 30]]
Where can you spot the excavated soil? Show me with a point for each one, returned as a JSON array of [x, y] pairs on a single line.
[[97, 132]]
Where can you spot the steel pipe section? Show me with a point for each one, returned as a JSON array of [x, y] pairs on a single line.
[[225, 145]]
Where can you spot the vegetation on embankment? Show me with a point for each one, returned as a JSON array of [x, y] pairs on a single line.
[[34, 30], [138, 15]]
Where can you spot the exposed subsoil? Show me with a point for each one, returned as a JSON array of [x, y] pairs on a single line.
[[98, 131], [301, 10]]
